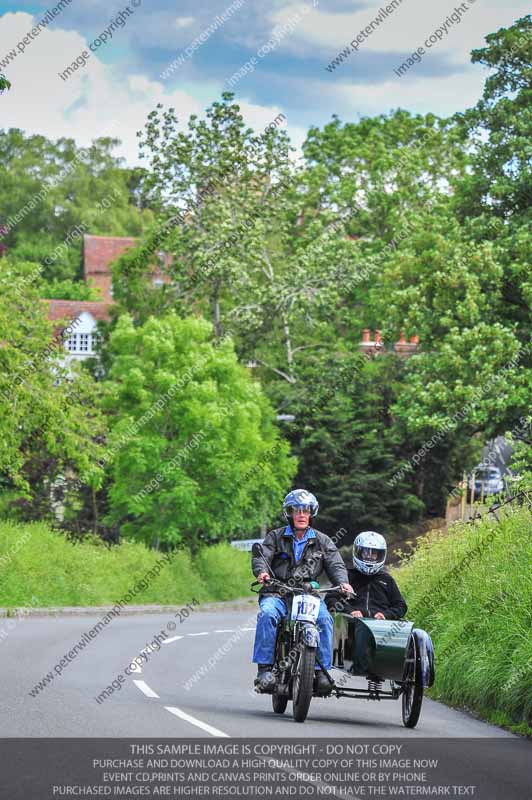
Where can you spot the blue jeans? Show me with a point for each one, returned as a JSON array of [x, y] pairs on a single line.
[[272, 610]]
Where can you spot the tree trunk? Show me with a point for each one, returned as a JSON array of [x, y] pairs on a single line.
[[289, 351], [216, 313]]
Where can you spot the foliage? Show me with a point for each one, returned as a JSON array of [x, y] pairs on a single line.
[[70, 290], [349, 445], [49, 423], [54, 192], [471, 589], [403, 222], [188, 430], [521, 462], [381, 169], [242, 252], [35, 561]]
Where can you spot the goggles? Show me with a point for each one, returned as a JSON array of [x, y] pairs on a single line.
[[299, 509]]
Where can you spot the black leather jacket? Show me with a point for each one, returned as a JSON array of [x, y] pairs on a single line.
[[374, 593], [318, 554]]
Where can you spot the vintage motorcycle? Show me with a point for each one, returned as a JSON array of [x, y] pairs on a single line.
[[378, 650], [296, 647]]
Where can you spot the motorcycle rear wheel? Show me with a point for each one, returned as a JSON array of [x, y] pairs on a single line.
[[279, 703]]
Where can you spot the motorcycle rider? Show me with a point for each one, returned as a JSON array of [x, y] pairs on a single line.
[[378, 595], [300, 552]]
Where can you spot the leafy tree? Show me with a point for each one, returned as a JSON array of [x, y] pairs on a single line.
[[53, 192], [380, 170], [49, 421], [461, 279], [499, 127], [243, 251], [193, 452], [70, 290], [349, 444], [493, 203], [521, 462]]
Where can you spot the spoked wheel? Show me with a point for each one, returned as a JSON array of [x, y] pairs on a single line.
[[412, 686], [303, 683], [279, 702]]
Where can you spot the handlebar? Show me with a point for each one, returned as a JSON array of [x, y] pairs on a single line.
[[302, 588]]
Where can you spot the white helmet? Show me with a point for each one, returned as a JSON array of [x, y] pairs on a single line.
[[369, 552]]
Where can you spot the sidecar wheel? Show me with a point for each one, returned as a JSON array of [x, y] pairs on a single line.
[[412, 686]]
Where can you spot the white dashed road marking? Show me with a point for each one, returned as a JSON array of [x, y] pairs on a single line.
[[172, 639], [203, 633], [145, 689], [225, 630], [197, 722]]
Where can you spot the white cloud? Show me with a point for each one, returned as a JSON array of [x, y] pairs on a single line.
[[92, 102], [184, 22], [443, 96], [95, 101], [405, 28]]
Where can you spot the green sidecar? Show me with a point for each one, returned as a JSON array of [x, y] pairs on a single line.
[[383, 650]]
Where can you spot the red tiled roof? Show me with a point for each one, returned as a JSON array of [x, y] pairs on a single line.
[[70, 309], [99, 251]]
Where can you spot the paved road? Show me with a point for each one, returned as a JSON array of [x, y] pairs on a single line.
[[157, 701]]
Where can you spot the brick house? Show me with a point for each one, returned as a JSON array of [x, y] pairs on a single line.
[[83, 315], [98, 253]]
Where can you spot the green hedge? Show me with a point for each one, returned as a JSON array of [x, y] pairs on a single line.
[[471, 589], [40, 563]]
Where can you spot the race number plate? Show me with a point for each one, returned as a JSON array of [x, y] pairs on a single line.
[[305, 607]]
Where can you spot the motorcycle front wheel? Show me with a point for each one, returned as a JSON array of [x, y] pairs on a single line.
[[303, 683]]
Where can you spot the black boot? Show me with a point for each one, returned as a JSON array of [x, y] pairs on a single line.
[[265, 680], [321, 683]]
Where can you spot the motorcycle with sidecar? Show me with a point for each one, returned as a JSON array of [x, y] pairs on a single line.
[[380, 651]]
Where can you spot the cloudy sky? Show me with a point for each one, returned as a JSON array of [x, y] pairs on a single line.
[[124, 77]]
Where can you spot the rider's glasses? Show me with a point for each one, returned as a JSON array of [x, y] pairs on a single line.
[[300, 509]]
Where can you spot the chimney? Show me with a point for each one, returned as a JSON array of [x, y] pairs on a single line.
[[404, 348], [367, 345]]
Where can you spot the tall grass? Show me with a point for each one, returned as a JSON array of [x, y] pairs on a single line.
[[37, 562], [471, 589]]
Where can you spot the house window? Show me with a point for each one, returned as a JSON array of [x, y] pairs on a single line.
[[71, 343], [82, 343]]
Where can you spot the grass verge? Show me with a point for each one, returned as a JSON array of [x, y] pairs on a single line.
[[471, 589], [41, 568]]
